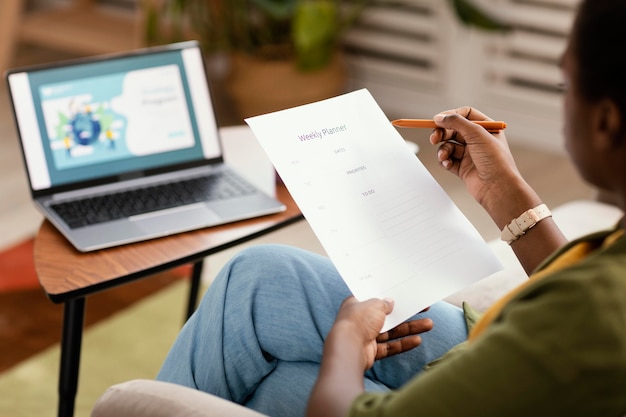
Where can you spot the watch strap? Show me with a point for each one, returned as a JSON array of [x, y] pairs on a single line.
[[527, 220]]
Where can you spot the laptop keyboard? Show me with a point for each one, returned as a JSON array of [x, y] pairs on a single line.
[[103, 208]]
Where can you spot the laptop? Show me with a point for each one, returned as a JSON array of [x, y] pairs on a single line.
[[123, 148]]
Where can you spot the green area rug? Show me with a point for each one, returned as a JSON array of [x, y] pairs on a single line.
[[129, 345]]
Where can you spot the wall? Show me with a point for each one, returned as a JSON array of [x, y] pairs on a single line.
[[417, 59]]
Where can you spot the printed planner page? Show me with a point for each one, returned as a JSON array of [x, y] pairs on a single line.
[[386, 224]]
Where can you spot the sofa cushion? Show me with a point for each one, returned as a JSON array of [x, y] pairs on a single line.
[[148, 398], [576, 218]]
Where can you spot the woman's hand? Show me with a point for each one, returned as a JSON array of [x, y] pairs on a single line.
[[360, 323], [485, 164], [481, 159], [351, 347]]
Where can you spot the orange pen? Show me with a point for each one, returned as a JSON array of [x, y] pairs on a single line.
[[427, 123]]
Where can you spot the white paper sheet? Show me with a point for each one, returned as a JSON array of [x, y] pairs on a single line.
[[386, 224]]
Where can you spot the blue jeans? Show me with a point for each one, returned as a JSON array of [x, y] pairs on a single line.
[[257, 336]]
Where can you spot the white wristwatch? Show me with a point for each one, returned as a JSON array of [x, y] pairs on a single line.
[[519, 226]]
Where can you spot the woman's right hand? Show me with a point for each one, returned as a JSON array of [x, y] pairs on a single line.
[[485, 164], [480, 158]]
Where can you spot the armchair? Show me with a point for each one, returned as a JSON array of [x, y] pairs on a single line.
[[143, 398]]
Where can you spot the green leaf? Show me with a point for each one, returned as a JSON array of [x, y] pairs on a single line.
[[471, 15], [60, 129], [314, 33], [106, 118], [277, 9], [152, 27]]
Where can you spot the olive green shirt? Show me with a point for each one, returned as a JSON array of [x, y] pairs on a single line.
[[557, 349]]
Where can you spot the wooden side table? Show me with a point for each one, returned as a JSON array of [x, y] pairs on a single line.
[[69, 276]]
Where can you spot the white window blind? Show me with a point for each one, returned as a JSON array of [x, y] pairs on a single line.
[[417, 59], [399, 51]]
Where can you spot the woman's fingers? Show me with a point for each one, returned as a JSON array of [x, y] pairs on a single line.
[[406, 328], [401, 338], [449, 150], [394, 347]]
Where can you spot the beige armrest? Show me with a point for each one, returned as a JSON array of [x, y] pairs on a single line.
[[148, 398], [576, 218]]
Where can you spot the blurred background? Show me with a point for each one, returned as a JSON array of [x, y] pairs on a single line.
[[415, 56]]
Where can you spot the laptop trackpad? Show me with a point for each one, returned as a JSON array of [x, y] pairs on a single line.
[[175, 220]]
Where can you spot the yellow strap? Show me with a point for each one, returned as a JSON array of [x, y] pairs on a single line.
[[567, 258]]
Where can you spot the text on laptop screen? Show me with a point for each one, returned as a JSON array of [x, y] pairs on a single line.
[[109, 117]]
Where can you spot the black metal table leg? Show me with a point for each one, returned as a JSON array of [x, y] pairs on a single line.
[[196, 276], [73, 319]]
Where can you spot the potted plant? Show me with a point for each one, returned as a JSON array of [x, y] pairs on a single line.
[[281, 52]]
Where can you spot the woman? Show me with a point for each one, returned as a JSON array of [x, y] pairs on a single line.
[[272, 332]]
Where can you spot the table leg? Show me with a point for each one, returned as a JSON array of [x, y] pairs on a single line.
[[196, 276], [73, 318]]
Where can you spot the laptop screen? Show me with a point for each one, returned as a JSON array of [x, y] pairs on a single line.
[[109, 116]]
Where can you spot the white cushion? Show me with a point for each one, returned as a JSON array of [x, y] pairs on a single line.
[[148, 398], [575, 219]]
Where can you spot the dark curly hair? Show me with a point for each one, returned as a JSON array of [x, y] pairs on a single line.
[[598, 34]]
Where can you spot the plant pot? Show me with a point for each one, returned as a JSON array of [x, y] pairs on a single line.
[[260, 86]]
